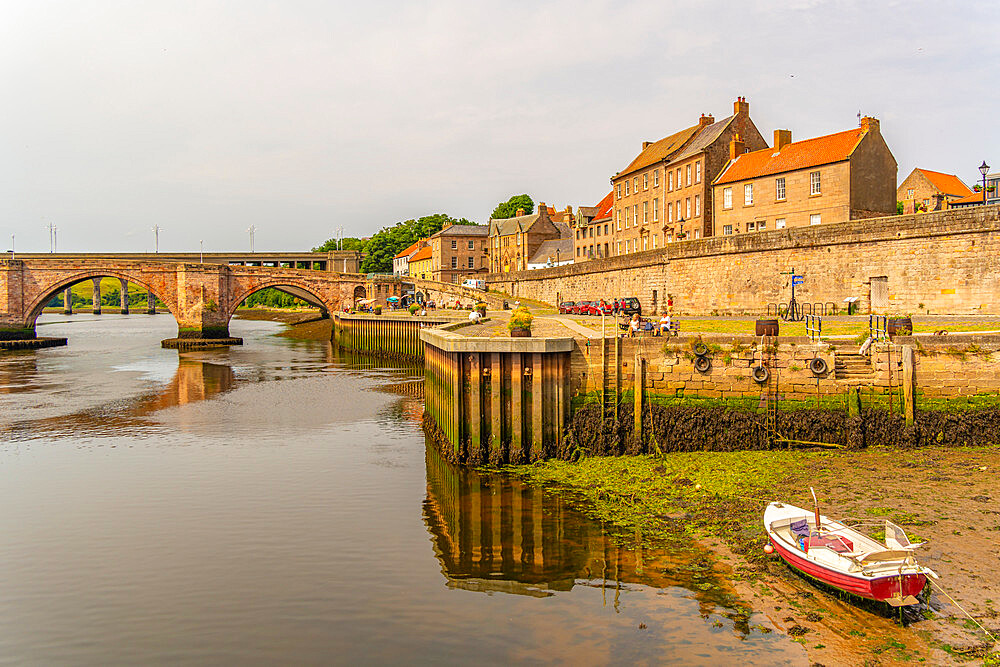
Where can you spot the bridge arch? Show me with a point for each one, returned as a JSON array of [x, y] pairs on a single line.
[[47, 293], [287, 286]]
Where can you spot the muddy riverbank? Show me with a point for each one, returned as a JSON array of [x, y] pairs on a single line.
[[303, 324], [949, 497]]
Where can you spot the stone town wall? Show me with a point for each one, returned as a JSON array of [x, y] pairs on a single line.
[[946, 262]]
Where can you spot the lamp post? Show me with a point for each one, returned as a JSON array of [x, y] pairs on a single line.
[[156, 238], [251, 229], [201, 251], [984, 169], [682, 235]]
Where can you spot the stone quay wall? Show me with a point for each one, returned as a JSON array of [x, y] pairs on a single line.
[[946, 262]]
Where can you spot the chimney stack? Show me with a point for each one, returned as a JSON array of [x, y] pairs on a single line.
[[741, 106], [704, 121], [519, 213], [870, 124], [782, 138], [736, 147], [646, 144]]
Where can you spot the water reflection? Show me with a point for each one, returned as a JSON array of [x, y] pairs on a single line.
[[493, 533]]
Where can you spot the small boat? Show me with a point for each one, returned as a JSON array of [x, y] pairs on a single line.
[[839, 556]]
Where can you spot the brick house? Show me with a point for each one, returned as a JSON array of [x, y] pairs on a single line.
[[514, 241], [459, 251], [592, 230], [834, 178], [665, 193], [930, 190]]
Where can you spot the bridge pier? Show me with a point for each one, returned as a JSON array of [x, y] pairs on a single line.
[[96, 299], [150, 304], [124, 296], [68, 301]]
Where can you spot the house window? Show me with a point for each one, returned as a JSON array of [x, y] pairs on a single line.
[[748, 194], [591, 232], [750, 226], [697, 205], [727, 198], [635, 184], [654, 241], [454, 262], [687, 207], [697, 172], [670, 181], [578, 235], [678, 209], [635, 214], [762, 225], [472, 245], [619, 190], [598, 229], [454, 244], [645, 181], [727, 229], [656, 178], [697, 233], [909, 193], [626, 188], [688, 170], [645, 241], [605, 229], [656, 210], [779, 223], [618, 248], [471, 263], [815, 219], [618, 215], [814, 183], [670, 212], [645, 212], [678, 178], [779, 189], [628, 209], [578, 251]]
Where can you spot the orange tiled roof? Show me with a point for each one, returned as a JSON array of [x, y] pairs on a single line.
[[604, 206], [974, 198], [423, 253], [793, 156], [659, 150], [948, 184], [409, 250]]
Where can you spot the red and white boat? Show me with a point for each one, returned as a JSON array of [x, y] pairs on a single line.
[[844, 558]]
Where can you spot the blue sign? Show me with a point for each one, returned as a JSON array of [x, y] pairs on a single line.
[[798, 280]]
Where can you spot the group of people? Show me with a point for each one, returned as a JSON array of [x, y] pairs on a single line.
[[637, 325]]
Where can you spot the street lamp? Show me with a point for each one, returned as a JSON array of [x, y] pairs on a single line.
[[201, 251], [984, 169]]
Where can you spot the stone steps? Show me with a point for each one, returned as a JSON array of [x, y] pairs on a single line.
[[853, 367]]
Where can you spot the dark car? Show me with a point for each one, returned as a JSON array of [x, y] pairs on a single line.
[[566, 307], [631, 306]]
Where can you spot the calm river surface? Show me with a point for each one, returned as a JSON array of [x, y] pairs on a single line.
[[277, 504]]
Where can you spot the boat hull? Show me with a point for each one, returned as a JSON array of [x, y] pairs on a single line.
[[882, 588]]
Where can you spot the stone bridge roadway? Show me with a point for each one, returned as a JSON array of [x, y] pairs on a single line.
[[201, 297]]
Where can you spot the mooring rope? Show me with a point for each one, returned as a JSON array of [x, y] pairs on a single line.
[[960, 608]]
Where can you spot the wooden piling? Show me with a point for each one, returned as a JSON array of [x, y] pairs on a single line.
[[909, 385], [537, 429], [639, 394], [516, 403]]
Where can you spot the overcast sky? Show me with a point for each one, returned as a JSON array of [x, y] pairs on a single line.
[[298, 117]]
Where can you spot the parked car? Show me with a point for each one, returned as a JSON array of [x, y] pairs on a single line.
[[605, 308], [630, 306], [566, 307], [588, 308]]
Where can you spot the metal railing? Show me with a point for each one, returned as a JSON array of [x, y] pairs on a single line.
[[814, 327], [878, 327]]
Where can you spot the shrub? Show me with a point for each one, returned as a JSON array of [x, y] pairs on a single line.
[[378, 310], [520, 319], [413, 308]]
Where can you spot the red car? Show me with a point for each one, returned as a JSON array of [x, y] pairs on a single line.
[[566, 307]]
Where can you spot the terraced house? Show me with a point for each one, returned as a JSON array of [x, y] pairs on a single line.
[[834, 178], [592, 230], [458, 251], [926, 190], [665, 194]]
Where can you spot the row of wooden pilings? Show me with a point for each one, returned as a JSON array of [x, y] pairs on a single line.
[[501, 400], [382, 336]]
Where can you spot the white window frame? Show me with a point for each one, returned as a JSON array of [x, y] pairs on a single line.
[[645, 181], [748, 194], [779, 223], [697, 205], [815, 219], [779, 189], [645, 212], [761, 225], [727, 230], [454, 262], [670, 181], [687, 180], [697, 171], [815, 183], [635, 184], [656, 209], [656, 178], [727, 198], [618, 215], [626, 187], [454, 244], [654, 241], [619, 188], [670, 212], [687, 207]]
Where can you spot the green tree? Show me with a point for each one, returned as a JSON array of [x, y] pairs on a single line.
[[389, 241], [508, 209], [346, 243], [899, 208]]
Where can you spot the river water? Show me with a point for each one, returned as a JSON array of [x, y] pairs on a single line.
[[277, 503]]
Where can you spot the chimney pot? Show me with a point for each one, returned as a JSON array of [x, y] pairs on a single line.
[[782, 138], [741, 105], [870, 124], [519, 212]]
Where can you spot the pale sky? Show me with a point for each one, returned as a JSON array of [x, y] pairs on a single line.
[[298, 117]]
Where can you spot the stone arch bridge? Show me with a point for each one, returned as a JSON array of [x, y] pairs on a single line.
[[202, 297]]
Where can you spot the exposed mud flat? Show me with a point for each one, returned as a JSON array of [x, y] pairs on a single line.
[[306, 324]]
